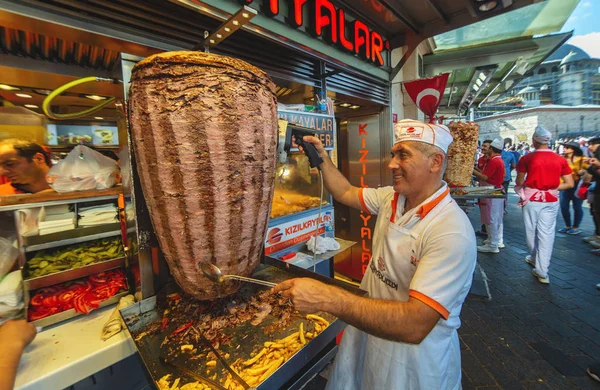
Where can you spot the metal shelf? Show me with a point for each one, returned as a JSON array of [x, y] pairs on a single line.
[[68, 314], [71, 274], [70, 237], [27, 201]]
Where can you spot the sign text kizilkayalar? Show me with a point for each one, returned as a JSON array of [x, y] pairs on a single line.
[[330, 24]]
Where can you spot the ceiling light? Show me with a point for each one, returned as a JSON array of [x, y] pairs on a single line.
[[245, 15], [235, 22], [31, 106], [490, 5], [227, 29], [212, 41], [23, 95], [345, 105], [95, 97], [98, 118], [476, 87], [354, 107], [8, 87], [219, 36]]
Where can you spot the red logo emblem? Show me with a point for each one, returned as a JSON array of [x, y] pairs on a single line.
[[381, 264], [274, 236], [410, 130], [414, 261]]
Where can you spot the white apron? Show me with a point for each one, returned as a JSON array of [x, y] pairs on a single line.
[[368, 362]]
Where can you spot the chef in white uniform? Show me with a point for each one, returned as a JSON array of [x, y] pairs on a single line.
[[403, 334]]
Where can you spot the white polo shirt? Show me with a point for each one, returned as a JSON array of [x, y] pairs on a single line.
[[429, 254]]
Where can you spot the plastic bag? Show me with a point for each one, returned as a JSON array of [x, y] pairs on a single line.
[[324, 244], [8, 255], [83, 169]]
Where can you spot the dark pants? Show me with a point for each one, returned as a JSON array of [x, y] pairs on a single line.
[[566, 197], [505, 185]]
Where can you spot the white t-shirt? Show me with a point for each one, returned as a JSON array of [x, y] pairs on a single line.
[[428, 253]]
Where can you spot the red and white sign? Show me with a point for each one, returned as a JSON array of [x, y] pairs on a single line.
[[294, 232], [427, 93]]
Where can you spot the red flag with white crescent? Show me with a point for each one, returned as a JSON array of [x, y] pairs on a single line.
[[427, 93]]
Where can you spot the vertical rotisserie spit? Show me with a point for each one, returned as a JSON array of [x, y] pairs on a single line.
[[204, 130]]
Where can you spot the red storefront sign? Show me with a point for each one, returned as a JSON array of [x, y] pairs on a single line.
[[328, 22]]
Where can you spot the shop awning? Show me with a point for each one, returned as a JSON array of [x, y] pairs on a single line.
[[508, 62]]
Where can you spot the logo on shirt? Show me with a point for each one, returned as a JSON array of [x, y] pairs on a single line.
[[381, 264], [379, 275], [414, 261]]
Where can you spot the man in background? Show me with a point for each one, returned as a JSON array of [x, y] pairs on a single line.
[[538, 181], [492, 210], [25, 164], [481, 161], [509, 164]]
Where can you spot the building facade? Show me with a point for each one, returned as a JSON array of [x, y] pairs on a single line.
[[561, 121], [569, 77]]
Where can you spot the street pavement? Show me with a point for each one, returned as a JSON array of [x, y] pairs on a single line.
[[530, 335]]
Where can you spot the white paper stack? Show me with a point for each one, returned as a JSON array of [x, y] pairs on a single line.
[[56, 219], [98, 215], [11, 297]]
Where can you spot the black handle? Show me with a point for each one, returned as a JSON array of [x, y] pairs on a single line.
[[311, 152]]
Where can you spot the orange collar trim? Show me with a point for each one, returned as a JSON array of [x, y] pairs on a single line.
[[427, 207]]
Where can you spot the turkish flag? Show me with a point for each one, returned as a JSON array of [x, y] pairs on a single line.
[[427, 93]]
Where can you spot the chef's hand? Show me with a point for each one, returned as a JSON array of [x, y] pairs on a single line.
[[316, 142], [16, 334], [306, 294]]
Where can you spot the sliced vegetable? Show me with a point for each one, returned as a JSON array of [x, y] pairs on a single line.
[[183, 328], [83, 295]]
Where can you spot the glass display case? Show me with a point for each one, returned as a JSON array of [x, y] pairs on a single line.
[[297, 187]]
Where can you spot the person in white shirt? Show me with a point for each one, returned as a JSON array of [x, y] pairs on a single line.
[[403, 334]]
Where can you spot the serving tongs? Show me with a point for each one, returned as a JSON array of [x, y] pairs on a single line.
[[234, 374], [213, 272]]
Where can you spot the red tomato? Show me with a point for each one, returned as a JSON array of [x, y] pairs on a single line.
[[36, 300], [98, 278], [50, 301]]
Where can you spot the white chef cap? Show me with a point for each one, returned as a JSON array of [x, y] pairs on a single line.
[[429, 133], [498, 143], [541, 135]]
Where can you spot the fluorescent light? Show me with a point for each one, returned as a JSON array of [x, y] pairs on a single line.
[[476, 87], [31, 106], [98, 118], [23, 95], [8, 87], [354, 107], [95, 97], [345, 105]]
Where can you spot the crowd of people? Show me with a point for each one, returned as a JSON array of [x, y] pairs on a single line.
[[549, 178]]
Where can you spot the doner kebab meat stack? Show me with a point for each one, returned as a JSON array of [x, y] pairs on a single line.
[[204, 130], [461, 153]]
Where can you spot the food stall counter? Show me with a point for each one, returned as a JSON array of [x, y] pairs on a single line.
[[64, 354]]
